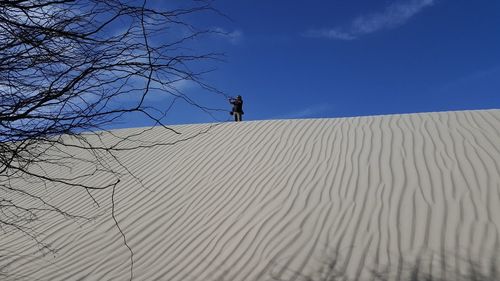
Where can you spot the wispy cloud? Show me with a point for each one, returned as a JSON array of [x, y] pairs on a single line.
[[234, 37], [476, 83], [309, 111], [394, 15]]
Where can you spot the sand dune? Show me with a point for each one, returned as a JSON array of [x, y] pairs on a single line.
[[253, 200]]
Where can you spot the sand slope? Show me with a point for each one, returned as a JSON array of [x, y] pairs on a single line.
[[250, 200]]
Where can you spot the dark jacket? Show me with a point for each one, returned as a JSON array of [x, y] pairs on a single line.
[[237, 105]]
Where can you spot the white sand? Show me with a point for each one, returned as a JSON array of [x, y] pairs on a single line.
[[250, 200]]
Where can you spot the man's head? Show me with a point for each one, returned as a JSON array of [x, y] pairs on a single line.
[[238, 97]]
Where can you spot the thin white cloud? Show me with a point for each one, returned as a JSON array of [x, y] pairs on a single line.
[[234, 37], [330, 34], [310, 111], [483, 81], [394, 15]]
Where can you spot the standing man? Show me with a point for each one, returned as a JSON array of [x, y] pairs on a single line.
[[237, 110]]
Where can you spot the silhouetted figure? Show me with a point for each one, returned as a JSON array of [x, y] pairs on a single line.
[[237, 110]]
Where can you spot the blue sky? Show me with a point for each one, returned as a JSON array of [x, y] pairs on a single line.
[[319, 58]]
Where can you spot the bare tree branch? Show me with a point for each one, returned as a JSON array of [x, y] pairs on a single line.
[[65, 67]]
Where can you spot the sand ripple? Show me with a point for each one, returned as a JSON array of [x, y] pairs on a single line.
[[243, 201]]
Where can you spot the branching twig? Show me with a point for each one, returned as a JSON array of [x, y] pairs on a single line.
[[121, 231]]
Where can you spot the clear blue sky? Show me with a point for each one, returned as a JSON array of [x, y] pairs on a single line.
[[323, 58]]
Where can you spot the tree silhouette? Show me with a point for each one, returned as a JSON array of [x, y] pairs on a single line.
[[66, 67]]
